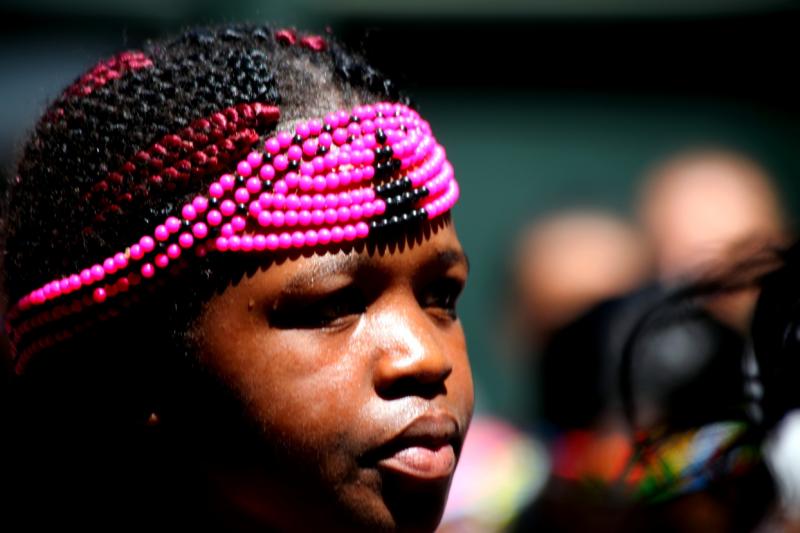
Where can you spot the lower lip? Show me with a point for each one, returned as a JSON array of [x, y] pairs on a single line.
[[423, 463]]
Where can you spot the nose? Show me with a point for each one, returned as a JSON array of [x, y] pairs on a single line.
[[412, 358]]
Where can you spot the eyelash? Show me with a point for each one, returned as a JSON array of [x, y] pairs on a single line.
[[324, 312], [332, 310], [443, 296]]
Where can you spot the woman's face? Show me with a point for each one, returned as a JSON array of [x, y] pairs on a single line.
[[353, 367]]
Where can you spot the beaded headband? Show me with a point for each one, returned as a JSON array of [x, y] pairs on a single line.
[[333, 180]]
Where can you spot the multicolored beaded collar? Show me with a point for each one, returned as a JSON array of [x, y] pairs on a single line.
[[331, 181]]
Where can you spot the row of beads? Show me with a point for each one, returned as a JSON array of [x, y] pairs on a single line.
[[328, 218]]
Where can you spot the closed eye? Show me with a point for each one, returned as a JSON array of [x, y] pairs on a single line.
[[441, 296], [331, 310]]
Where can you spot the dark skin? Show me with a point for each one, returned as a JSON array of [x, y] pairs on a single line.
[[352, 365]]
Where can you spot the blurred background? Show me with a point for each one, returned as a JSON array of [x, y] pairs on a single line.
[[571, 124]]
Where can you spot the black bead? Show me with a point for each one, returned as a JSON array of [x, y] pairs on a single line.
[[380, 136], [213, 202], [389, 201], [354, 118], [327, 128], [351, 139], [242, 208], [408, 195], [294, 164], [297, 139], [268, 184], [405, 217], [187, 224], [322, 150], [395, 219], [239, 180], [267, 157]]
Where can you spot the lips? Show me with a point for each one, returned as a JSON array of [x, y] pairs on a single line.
[[424, 450]]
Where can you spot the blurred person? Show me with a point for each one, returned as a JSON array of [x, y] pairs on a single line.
[[230, 309], [567, 262], [705, 210]]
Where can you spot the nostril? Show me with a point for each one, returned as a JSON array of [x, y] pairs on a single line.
[[413, 386]]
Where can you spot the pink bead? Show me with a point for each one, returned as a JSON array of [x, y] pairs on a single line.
[[265, 218], [99, 295], [278, 201], [345, 177], [200, 230], [318, 201], [244, 169], [306, 183], [173, 224], [303, 130], [214, 217], [278, 219], [227, 181], [281, 187], [343, 214], [292, 179], [253, 185], [272, 146], [235, 243], [310, 147], [356, 212], [330, 160], [304, 217], [317, 217], [64, 285], [97, 272], [259, 242], [331, 120], [108, 266], [349, 232], [330, 216], [221, 244], [344, 158], [380, 206], [120, 261], [216, 190], [306, 168], [290, 218], [188, 212], [293, 202], [354, 129], [344, 199], [136, 252], [284, 139], [362, 229], [368, 157], [331, 181], [284, 241], [247, 243], [74, 282], [254, 209], [320, 183], [161, 232], [272, 242], [173, 251], [147, 243], [332, 200], [311, 237], [238, 223], [226, 230], [227, 207], [368, 172], [267, 172], [305, 202], [254, 159], [186, 240], [265, 200], [86, 276], [315, 127], [337, 234], [319, 163], [339, 136], [241, 196], [294, 153], [298, 239]]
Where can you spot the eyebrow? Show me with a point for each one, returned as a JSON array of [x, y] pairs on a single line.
[[346, 264]]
